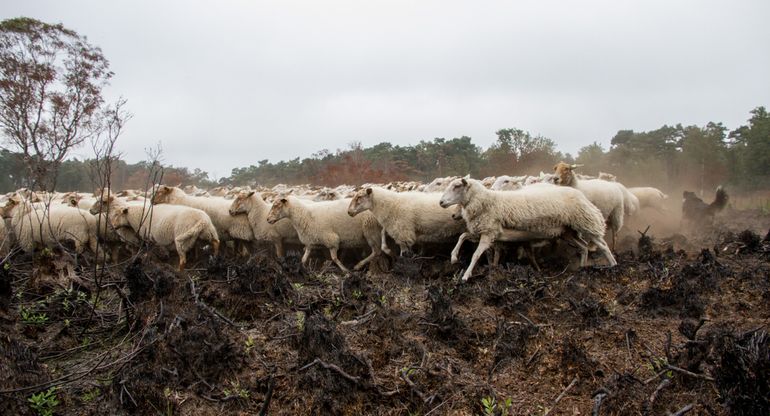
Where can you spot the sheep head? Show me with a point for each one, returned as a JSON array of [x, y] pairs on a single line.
[[564, 173], [161, 195], [102, 204], [119, 218], [279, 210], [455, 192], [361, 202], [241, 203]]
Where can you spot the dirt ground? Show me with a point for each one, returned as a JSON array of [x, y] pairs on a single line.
[[679, 326]]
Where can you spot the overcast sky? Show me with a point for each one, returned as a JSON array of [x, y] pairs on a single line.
[[223, 84]]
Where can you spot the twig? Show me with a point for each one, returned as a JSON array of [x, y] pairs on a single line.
[[411, 384], [653, 378], [561, 396], [660, 387], [208, 308], [526, 319], [689, 373], [332, 367], [268, 396], [598, 403], [683, 410]]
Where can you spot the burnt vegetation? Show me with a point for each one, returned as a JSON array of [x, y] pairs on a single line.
[[666, 329]]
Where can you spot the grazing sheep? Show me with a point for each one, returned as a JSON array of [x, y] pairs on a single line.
[[546, 210], [256, 209], [161, 224], [327, 224], [650, 197], [228, 226], [327, 194], [607, 196], [408, 217], [50, 226]]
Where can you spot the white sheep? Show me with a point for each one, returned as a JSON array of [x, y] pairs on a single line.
[[607, 196], [256, 210], [508, 183], [408, 217], [218, 209], [327, 224], [546, 210], [49, 226], [76, 200], [630, 201], [650, 197], [438, 184], [161, 224]]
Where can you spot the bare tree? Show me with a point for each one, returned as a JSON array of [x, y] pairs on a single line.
[[51, 82]]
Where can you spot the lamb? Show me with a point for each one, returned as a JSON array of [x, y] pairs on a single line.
[[50, 226], [256, 209], [327, 224], [228, 226], [650, 197], [408, 217], [607, 196], [162, 224], [546, 210]]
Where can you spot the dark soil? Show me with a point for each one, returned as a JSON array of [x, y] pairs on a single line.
[[682, 320]]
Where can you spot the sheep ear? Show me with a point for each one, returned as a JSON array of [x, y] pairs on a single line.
[[368, 191], [250, 194], [468, 176], [575, 166], [465, 182]]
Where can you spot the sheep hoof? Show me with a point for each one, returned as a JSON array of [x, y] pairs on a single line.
[[454, 260]]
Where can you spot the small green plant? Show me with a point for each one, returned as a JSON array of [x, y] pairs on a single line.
[[235, 390], [89, 395], [45, 402], [490, 404], [29, 317], [492, 407], [300, 321], [357, 294], [7, 266], [383, 300], [250, 343], [297, 286]]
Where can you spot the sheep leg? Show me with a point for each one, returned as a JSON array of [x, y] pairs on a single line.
[[456, 251], [484, 243], [384, 243], [182, 260], [602, 246], [279, 248], [530, 250], [215, 247], [305, 255], [496, 256], [333, 253], [376, 251]]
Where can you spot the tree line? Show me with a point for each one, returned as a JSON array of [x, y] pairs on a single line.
[[693, 157]]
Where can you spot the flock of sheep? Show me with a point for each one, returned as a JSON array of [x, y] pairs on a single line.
[[529, 210]]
